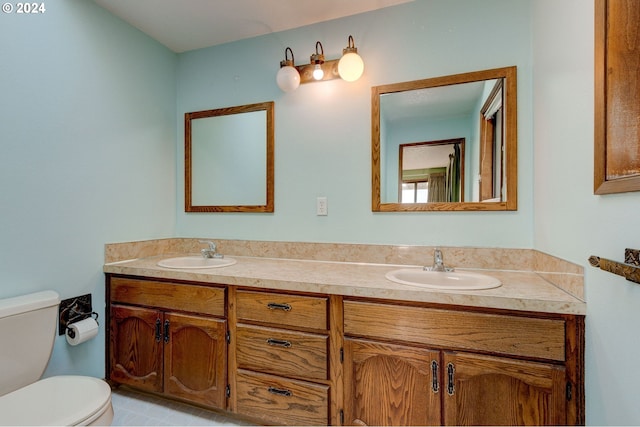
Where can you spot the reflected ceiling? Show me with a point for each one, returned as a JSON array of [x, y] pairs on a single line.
[[434, 102]]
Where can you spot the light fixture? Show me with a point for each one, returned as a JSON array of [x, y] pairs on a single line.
[[317, 59], [288, 77], [349, 67]]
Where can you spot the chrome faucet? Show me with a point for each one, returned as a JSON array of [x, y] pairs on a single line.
[[438, 262], [210, 252]]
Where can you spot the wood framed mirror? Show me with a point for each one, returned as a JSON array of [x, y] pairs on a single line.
[[229, 159], [478, 110]]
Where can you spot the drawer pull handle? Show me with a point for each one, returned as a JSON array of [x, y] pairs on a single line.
[[279, 391], [278, 343], [277, 306]]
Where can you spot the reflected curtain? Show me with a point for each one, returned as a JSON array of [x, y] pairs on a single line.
[[437, 188], [453, 176]]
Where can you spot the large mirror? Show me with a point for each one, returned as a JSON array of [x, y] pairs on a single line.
[[445, 143], [229, 163]]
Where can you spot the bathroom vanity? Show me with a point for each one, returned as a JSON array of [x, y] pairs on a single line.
[[299, 342]]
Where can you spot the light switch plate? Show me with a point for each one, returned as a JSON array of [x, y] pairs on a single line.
[[321, 206]]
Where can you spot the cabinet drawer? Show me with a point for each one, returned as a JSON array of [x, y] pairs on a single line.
[[170, 296], [282, 309], [281, 352], [509, 335], [281, 401]]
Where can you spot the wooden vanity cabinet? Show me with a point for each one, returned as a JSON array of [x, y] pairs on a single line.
[[294, 358], [412, 365], [280, 346], [158, 344]]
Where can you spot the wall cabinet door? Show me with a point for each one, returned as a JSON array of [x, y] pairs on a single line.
[[195, 359], [487, 390], [388, 384], [136, 347]]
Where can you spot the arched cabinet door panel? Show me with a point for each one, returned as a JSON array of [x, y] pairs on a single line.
[[389, 384], [488, 390], [136, 350], [195, 358]]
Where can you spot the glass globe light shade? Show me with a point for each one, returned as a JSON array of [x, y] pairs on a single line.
[[288, 78], [350, 67]]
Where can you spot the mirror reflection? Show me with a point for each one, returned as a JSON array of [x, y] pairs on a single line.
[[446, 143], [229, 159], [431, 171]]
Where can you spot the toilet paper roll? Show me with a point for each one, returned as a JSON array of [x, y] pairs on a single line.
[[82, 331]]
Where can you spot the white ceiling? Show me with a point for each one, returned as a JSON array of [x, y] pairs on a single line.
[[183, 25]]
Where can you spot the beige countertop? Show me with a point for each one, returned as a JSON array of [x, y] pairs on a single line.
[[520, 290]]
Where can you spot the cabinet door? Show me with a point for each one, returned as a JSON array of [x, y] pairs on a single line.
[[195, 356], [486, 390], [388, 384], [136, 347]]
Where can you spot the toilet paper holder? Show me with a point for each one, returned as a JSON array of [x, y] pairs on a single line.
[[74, 310]]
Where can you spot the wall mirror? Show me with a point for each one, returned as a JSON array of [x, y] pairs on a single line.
[[229, 164], [445, 143]]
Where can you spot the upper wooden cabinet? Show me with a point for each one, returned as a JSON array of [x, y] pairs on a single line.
[[617, 99]]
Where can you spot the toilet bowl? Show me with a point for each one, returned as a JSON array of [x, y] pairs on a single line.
[[65, 400]]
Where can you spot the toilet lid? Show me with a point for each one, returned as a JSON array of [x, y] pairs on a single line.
[[61, 400]]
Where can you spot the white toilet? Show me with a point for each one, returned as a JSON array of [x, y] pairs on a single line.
[[27, 331]]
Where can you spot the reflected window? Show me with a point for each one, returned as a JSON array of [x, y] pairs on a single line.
[[415, 192], [432, 170]]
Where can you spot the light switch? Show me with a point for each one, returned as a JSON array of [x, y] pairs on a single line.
[[321, 206]]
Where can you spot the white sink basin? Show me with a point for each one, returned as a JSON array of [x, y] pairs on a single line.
[[454, 280], [193, 262]]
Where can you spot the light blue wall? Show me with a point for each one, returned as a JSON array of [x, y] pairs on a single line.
[[570, 221], [87, 154], [91, 150], [323, 129]]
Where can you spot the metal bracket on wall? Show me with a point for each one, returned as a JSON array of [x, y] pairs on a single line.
[[630, 269], [73, 310]]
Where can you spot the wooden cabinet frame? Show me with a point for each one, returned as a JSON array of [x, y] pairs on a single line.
[[617, 104], [376, 349]]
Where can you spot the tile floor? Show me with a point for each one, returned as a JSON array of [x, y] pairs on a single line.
[[135, 409]]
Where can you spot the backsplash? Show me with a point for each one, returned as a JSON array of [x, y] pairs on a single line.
[[561, 273]]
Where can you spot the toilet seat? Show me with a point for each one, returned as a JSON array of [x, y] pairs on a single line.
[[61, 400]]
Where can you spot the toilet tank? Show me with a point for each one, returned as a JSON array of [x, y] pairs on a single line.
[[27, 332]]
